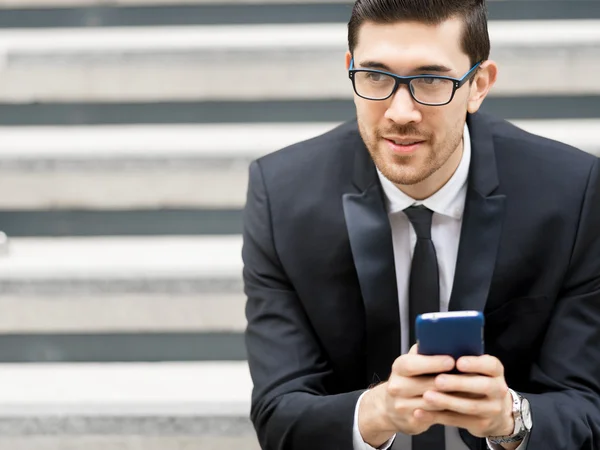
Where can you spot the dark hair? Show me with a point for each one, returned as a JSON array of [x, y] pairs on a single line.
[[475, 39]]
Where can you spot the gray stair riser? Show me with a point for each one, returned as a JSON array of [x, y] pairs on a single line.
[[121, 347], [267, 112], [131, 222], [108, 15], [92, 3]]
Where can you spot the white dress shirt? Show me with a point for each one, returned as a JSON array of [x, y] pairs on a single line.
[[448, 205]]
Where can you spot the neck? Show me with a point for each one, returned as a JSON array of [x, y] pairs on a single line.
[[433, 183]]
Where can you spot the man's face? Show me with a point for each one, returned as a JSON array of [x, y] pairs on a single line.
[[406, 48]]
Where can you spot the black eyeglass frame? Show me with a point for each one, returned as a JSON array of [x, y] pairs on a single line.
[[457, 83]]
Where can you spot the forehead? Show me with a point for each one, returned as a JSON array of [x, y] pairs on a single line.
[[407, 44]]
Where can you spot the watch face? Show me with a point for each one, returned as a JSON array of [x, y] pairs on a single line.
[[526, 414]]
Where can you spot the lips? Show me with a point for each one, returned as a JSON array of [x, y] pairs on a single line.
[[405, 141], [404, 146]]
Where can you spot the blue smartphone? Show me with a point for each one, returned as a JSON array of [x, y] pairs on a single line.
[[454, 333]]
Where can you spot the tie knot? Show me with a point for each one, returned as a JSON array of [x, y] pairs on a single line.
[[420, 217]]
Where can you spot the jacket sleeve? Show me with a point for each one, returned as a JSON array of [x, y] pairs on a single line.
[[566, 402], [292, 408]]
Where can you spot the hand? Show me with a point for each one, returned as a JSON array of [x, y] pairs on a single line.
[[477, 400], [390, 407]]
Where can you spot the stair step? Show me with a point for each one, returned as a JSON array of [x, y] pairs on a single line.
[[206, 389], [127, 147], [128, 442], [202, 167], [204, 264], [122, 313], [126, 406], [203, 63]]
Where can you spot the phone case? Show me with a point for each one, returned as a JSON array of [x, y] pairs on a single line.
[[456, 333]]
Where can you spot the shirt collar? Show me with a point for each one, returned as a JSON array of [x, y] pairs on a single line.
[[448, 201]]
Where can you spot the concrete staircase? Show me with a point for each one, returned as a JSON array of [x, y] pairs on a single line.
[[114, 406], [126, 130]]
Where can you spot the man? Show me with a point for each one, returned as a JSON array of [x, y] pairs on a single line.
[[508, 222]]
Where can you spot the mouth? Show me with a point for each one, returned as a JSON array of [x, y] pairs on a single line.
[[404, 146]]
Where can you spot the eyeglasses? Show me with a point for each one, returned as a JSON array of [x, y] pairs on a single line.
[[430, 90]]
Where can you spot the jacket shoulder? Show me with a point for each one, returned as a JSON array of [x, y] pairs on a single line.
[[514, 141], [311, 153]]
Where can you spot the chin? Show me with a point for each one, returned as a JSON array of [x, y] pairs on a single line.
[[403, 177]]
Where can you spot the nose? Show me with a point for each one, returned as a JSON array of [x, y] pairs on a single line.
[[402, 108]]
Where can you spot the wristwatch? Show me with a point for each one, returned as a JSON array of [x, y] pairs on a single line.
[[521, 412]]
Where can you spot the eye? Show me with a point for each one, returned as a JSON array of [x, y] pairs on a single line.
[[430, 81], [374, 76]]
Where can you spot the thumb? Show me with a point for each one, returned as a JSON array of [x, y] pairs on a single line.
[[413, 350]]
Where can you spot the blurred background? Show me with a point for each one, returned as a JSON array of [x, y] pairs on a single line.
[[126, 130]]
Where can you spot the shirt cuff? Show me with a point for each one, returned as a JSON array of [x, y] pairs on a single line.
[[357, 439], [522, 446]]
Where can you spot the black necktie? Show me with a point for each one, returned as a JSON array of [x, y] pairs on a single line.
[[424, 283], [424, 297]]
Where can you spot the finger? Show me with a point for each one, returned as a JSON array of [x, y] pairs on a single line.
[[409, 387], [412, 365], [414, 350], [483, 365], [479, 385], [482, 407], [467, 395], [408, 406], [448, 418]]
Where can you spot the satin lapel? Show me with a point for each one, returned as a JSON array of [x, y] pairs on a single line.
[[372, 250], [480, 235], [482, 223]]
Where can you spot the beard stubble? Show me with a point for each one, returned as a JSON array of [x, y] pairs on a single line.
[[410, 169]]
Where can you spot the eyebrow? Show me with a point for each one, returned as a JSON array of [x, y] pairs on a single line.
[[421, 69]]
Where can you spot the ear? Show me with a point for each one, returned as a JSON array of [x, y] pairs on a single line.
[[348, 60], [483, 82]]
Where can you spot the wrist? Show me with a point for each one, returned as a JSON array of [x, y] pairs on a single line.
[[373, 424], [521, 423], [508, 418]]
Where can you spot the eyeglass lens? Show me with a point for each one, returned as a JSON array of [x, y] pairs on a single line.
[[378, 86]]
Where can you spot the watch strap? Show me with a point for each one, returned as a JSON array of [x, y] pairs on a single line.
[[519, 431]]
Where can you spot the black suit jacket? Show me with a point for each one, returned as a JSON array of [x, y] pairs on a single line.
[[322, 307]]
